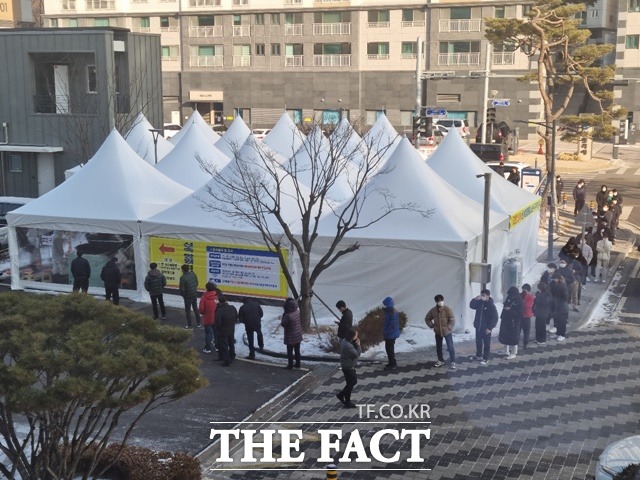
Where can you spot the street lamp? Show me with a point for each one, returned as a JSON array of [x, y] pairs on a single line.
[[552, 176], [156, 133]]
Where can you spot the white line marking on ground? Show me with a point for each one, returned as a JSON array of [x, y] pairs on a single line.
[[621, 171]]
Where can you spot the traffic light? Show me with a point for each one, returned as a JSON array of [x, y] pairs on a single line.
[[491, 115], [583, 147], [422, 126]]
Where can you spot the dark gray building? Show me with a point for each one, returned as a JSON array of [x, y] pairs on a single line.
[[64, 90]]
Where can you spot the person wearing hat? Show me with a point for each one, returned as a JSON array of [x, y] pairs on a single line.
[[511, 317], [391, 331], [112, 277], [560, 295], [485, 320], [559, 189], [154, 283], [442, 320]]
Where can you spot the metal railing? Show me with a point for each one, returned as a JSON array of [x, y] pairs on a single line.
[[206, 61], [68, 4], [100, 4], [461, 25], [293, 61], [205, 32], [170, 28], [504, 58], [377, 56], [293, 29], [459, 58], [342, 60], [414, 23], [242, 30], [241, 61], [342, 28], [141, 29], [377, 24]]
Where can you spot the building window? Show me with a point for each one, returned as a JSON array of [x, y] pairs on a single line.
[[92, 81], [204, 3], [275, 49], [594, 13], [260, 49], [460, 13], [259, 18], [632, 41], [203, 20], [275, 19], [100, 22], [407, 15], [73, 22], [634, 6], [448, 97], [408, 48], [170, 52], [145, 22], [378, 16], [237, 20], [498, 12], [53, 22], [378, 49], [164, 22], [15, 163], [296, 115], [373, 115]]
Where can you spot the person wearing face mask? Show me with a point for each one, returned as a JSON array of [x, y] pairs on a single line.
[[485, 320], [560, 295], [567, 272], [616, 210], [542, 310], [604, 217], [579, 196], [604, 255], [510, 320], [546, 276], [441, 319], [601, 197]]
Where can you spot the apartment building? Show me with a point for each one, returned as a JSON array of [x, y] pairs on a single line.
[[320, 58]]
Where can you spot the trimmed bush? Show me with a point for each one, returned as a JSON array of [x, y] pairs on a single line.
[[631, 472]]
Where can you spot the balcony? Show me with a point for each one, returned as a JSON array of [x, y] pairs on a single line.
[[69, 5], [412, 24], [101, 5], [141, 29], [504, 58], [170, 28], [459, 58], [343, 28], [204, 3], [332, 60], [332, 1], [241, 60], [240, 3], [293, 61], [466, 25], [293, 29], [205, 32], [170, 58], [242, 30], [206, 61], [377, 24], [378, 56], [293, 2], [409, 56]]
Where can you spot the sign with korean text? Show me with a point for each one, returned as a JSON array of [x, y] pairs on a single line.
[[523, 213], [6, 10], [235, 269]]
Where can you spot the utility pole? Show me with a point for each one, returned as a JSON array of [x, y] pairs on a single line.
[[418, 104], [485, 93]]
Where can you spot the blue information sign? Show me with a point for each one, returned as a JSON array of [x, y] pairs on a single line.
[[436, 111], [501, 103]]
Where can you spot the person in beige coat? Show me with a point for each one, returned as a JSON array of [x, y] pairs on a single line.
[[603, 247], [441, 319]]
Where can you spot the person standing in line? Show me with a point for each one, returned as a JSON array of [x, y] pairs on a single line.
[[542, 310], [292, 332], [587, 253], [601, 197], [349, 353], [546, 276], [567, 273], [189, 291], [579, 196], [154, 283], [251, 315], [346, 321], [207, 307], [511, 317], [559, 191], [527, 312], [225, 327], [112, 277], [514, 177], [81, 272], [560, 295], [390, 331], [595, 238], [603, 248], [485, 320], [441, 319], [616, 210]]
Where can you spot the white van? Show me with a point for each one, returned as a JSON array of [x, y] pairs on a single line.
[[461, 124]]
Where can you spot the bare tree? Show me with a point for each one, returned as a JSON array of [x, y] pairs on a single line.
[[285, 200]]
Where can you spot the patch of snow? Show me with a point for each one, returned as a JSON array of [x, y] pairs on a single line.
[[605, 311]]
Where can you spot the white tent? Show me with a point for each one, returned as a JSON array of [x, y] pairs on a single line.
[[382, 138], [285, 137], [234, 137], [184, 164], [140, 139], [111, 194], [72, 171], [196, 119], [408, 255], [458, 165]]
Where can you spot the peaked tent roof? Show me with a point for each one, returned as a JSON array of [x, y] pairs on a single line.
[[197, 119], [140, 139], [184, 163], [285, 137], [234, 137], [113, 191], [382, 137], [409, 181], [454, 161]]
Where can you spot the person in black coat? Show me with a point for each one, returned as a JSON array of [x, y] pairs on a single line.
[[546, 276], [542, 308], [251, 315], [112, 278], [514, 176], [485, 320], [225, 326], [560, 295], [559, 190], [346, 322], [579, 196], [511, 317], [81, 272]]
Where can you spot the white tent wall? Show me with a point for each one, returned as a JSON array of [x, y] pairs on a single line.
[[523, 242]]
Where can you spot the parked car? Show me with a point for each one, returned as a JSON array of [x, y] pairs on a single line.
[[490, 151], [170, 129], [461, 124], [219, 128], [260, 133], [8, 204], [617, 456], [497, 132]]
